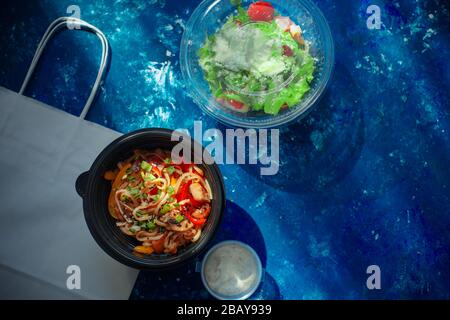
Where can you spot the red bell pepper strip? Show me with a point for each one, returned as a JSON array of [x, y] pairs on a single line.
[[156, 170], [183, 193], [186, 210], [194, 202], [186, 166], [196, 222]]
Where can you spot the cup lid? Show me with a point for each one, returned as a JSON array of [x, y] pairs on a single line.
[[231, 270]]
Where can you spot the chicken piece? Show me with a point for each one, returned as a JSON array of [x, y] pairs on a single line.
[[296, 33], [286, 24], [283, 22], [203, 212], [198, 192]]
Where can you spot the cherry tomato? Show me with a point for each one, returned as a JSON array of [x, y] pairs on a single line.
[[287, 51], [261, 11], [236, 104], [263, 3]]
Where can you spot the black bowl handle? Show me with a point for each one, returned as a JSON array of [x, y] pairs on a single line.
[[81, 183]]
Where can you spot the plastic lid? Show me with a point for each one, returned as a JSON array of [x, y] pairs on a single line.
[[231, 270]]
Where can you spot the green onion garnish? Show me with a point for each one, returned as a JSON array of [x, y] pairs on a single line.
[[165, 208], [170, 169], [146, 166], [151, 225], [179, 218]]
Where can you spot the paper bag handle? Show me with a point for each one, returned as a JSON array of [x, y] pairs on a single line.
[[75, 24]]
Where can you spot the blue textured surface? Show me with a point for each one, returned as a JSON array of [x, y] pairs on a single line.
[[364, 178]]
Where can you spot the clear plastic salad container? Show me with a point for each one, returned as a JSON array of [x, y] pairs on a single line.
[[256, 64]]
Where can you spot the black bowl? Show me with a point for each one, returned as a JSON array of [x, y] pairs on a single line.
[[94, 190]]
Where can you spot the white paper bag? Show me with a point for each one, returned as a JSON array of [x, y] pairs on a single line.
[[42, 227]]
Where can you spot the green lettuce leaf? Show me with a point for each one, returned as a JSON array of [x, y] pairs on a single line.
[[220, 79]]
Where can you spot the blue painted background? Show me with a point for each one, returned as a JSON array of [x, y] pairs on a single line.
[[364, 179]]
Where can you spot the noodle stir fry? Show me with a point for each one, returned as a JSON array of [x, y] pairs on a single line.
[[163, 205]]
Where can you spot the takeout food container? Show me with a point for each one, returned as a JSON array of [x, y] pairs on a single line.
[[211, 15], [94, 190]]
